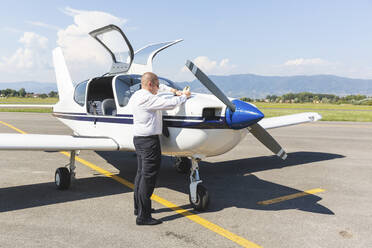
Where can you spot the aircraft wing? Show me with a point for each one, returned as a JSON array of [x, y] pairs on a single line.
[[288, 120], [46, 142]]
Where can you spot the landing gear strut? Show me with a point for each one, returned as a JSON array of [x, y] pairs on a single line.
[[182, 165], [199, 197], [64, 176]]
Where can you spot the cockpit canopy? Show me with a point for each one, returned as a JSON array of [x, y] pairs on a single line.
[[124, 59]]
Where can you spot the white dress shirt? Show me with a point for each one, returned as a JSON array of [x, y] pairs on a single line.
[[146, 108]]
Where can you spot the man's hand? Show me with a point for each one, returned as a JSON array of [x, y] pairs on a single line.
[[187, 93]]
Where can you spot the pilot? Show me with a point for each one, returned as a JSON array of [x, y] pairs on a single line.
[[147, 124]]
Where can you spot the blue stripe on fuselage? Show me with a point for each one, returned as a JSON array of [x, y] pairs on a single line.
[[170, 121]]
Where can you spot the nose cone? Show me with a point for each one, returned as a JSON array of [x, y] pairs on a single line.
[[245, 115]]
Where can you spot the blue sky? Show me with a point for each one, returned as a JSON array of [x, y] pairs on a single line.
[[222, 37]]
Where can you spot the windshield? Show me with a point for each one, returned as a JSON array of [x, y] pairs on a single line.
[[169, 83], [126, 85]]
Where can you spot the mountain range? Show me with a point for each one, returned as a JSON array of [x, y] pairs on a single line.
[[255, 86], [250, 85]]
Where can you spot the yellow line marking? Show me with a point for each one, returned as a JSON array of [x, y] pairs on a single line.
[[289, 197], [12, 127], [197, 219]]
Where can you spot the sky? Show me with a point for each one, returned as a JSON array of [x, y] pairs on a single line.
[[222, 37]]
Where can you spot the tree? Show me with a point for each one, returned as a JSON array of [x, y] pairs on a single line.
[[22, 92], [53, 94]]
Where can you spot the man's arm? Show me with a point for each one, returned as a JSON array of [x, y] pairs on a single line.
[[166, 88], [161, 103]]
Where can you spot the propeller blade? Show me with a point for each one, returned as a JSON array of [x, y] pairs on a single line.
[[209, 84], [265, 138]]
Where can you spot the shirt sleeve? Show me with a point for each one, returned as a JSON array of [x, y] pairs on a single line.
[[164, 88], [161, 103]]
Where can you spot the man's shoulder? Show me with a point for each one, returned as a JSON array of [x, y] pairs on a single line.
[[141, 96]]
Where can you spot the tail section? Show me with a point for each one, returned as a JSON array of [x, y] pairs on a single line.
[[64, 82]]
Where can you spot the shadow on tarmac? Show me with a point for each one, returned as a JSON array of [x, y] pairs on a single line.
[[230, 184]]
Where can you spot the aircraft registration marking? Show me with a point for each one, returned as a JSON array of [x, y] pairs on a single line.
[[290, 197], [191, 216]]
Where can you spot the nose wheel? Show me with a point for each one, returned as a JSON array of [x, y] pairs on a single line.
[[199, 197], [202, 198]]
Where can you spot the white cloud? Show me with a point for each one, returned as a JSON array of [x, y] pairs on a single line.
[[29, 62], [42, 24], [85, 57], [305, 62], [211, 66]]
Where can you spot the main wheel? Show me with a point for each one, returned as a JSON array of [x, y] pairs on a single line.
[[202, 198], [182, 165], [62, 178]]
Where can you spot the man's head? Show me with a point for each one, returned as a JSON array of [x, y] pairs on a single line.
[[150, 82]]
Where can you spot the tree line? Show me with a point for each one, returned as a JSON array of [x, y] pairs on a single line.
[[307, 97], [22, 93]]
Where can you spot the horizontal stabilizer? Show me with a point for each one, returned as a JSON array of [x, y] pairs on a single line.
[[288, 120], [45, 142]]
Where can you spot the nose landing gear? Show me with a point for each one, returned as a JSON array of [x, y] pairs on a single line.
[[199, 197], [182, 164]]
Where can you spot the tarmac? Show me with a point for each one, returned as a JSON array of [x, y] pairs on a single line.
[[318, 197]]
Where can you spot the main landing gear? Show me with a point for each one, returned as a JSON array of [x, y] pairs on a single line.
[[64, 175], [199, 197]]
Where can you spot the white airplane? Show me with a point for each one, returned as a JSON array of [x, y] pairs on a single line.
[[97, 112]]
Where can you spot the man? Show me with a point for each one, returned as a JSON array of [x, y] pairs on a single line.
[[147, 123]]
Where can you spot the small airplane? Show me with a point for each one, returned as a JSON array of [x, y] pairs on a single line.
[[97, 112]]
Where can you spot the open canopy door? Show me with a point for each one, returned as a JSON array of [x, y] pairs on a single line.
[[143, 57], [117, 44]]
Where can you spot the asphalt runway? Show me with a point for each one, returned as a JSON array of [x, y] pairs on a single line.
[[97, 211]]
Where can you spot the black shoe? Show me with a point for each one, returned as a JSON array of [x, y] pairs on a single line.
[[148, 222], [136, 211]]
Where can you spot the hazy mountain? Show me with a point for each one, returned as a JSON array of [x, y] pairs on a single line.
[[34, 87], [255, 86], [250, 85]]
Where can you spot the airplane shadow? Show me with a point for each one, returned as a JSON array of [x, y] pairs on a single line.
[[230, 184], [42, 194]]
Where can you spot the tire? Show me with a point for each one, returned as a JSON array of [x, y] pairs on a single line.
[[62, 178], [182, 165], [202, 198]]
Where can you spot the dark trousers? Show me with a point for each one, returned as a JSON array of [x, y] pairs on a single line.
[[148, 158]]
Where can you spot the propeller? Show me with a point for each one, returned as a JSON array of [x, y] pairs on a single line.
[[240, 114]]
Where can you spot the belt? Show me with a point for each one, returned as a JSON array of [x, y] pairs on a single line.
[[150, 136]]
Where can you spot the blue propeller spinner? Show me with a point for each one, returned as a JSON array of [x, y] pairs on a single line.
[[245, 115]]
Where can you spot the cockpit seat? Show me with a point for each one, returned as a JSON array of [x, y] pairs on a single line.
[[108, 107]]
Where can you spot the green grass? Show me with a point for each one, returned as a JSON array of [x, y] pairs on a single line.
[[32, 110], [326, 115], [312, 106], [28, 100], [329, 112]]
